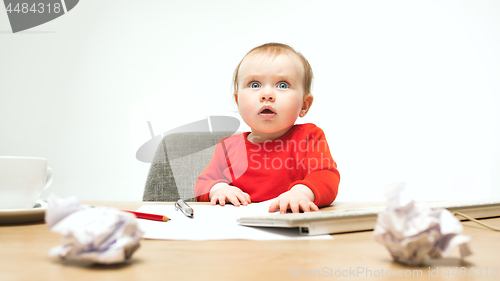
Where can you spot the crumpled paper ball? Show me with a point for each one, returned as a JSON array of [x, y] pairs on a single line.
[[412, 232], [99, 235]]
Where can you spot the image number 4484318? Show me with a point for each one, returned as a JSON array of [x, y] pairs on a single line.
[[26, 14], [40, 8]]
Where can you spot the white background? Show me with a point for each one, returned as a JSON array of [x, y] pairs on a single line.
[[404, 90]]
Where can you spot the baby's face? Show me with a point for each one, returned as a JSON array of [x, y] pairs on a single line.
[[270, 94]]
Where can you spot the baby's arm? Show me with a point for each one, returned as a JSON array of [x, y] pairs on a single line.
[[225, 193], [299, 197], [320, 185], [212, 176]]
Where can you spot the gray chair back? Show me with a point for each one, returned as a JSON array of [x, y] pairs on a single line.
[[178, 161]]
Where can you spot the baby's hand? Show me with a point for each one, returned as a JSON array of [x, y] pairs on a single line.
[[298, 198], [223, 192]]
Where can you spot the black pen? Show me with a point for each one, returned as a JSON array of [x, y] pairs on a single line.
[[184, 207]]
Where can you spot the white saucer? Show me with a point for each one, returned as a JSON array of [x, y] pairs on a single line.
[[37, 213]]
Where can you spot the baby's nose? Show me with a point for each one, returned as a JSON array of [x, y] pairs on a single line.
[[267, 97]]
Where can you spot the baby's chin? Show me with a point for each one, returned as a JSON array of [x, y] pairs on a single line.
[[270, 130]]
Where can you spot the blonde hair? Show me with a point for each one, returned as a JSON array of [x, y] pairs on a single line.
[[273, 50]]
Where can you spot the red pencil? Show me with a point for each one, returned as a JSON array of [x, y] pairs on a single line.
[[148, 216]]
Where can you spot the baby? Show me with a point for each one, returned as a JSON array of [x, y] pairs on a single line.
[[277, 159]]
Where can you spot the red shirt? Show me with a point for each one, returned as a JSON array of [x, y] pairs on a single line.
[[266, 170]]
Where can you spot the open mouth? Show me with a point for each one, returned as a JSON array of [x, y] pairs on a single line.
[[267, 109], [267, 112]]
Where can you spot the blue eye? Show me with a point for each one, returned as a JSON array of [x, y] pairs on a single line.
[[282, 85], [254, 85]]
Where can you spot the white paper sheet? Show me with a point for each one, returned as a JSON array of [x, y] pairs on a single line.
[[214, 223]]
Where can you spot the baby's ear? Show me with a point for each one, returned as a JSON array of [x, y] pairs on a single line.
[[306, 104], [236, 98]]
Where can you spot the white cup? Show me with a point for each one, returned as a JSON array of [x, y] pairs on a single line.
[[22, 180]]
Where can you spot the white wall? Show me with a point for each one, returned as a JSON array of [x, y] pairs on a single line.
[[405, 90]]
